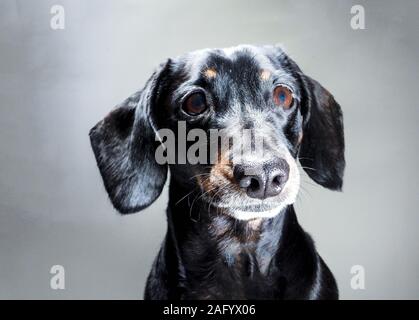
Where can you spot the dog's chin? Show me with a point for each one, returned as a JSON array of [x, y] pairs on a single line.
[[243, 214], [244, 208], [263, 210]]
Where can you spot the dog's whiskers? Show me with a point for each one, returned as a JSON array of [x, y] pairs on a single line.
[[222, 188], [197, 198], [185, 196]]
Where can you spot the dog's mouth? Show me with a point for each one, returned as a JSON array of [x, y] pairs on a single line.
[[242, 207], [249, 212], [246, 208]]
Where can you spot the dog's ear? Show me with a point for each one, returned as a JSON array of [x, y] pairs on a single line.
[[124, 147], [322, 148]]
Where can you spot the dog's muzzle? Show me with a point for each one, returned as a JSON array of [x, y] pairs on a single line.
[[262, 180]]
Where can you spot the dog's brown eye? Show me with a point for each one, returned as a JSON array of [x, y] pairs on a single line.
[[195, 104], [283, 97]]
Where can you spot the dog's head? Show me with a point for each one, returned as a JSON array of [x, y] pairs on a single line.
[[231, 124]]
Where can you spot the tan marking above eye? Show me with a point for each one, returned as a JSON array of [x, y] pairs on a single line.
[[265, 75], [210, 73]]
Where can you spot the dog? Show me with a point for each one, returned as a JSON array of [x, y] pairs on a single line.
[[232, 229]]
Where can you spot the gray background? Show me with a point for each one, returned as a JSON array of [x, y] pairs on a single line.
[[55, 85]]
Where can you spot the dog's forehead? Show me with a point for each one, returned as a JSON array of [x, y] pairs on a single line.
[[234, 77], [244, 58]]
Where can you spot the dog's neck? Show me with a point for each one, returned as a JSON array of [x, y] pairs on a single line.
[[198, 229]]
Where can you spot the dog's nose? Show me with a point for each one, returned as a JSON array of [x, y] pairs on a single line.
[[264, 180]]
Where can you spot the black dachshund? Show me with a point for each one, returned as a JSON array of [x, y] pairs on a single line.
[[232, 229]]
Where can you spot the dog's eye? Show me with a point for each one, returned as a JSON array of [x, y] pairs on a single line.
[[195, 104], [283, 97]]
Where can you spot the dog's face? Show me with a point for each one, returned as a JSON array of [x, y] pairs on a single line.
[[249, 96], [248, 114]]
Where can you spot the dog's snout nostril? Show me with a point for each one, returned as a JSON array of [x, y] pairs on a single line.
[[254, 184], [276, 181], [278, 177], [267, 180], [249, 182], [276, 184], [245, 182]]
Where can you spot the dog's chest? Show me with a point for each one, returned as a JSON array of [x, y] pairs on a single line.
[[240, 278], [236, 270]]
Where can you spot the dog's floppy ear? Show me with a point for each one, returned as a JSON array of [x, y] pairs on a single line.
[[124, 147], [322, 148]]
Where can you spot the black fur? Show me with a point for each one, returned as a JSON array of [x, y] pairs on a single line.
[[207, 254], [323, 145], [123, 144]]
